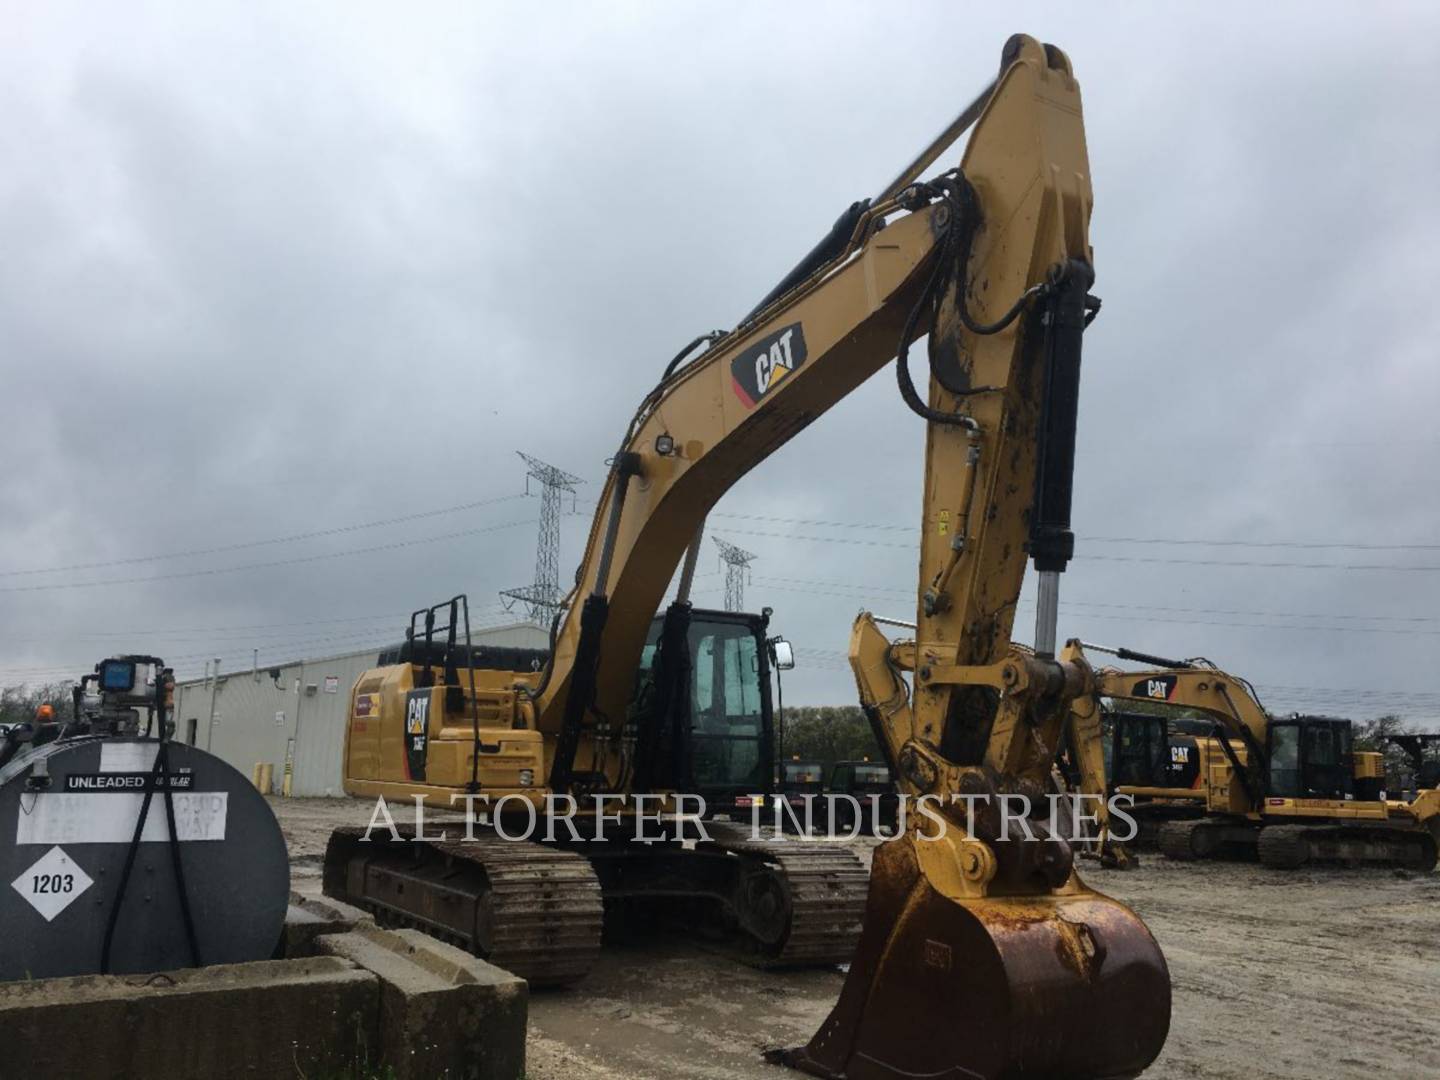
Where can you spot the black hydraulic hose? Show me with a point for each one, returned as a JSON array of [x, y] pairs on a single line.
[[162, 761], [968, 215], [474, 700], [534, 695], [938, 274], [125, 872], [1151, 658], [711, 337], [160, 774], [827, 250]]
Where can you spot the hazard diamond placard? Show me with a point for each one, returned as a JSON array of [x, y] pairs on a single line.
[[52, 883]]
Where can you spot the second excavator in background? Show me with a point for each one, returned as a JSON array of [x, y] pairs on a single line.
[[1286, 789]]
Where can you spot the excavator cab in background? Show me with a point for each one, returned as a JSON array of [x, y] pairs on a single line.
[[1155, 753], [799, 778], [1313, 757], [1140, 754], [872, 785], [798, 796]]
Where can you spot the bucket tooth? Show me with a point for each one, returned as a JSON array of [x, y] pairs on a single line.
[[1066, 984]]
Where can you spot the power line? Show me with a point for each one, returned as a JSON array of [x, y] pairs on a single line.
[[1081, 557], [908, 546], [154, 632], [1182, 541], [1083, 540], [395, 545], [336, 531], [1252, 563], [813, 522], [860, 593], [1337, 693], [268, 649], [1306, 544], [248, 634]]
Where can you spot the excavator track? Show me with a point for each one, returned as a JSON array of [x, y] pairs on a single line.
[[817, 890], [1289, 847], [538, 910], [533, 910], [1190, 839]]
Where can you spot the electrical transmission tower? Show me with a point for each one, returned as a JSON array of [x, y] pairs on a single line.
[[737, 567], [543, 595]]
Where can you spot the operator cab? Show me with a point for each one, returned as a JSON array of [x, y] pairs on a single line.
[[714, 737], [1155, 750], [1139, 755], [1311, 757]]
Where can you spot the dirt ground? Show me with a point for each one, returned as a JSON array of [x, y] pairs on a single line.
[[1320, 973]]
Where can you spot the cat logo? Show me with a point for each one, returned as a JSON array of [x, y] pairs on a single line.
[[417, 712], [767, 363], [1157, 689], [1180, 755]]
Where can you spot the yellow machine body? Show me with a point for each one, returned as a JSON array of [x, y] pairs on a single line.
[[385, 720]]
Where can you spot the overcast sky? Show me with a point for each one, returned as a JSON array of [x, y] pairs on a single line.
[[288, 271]]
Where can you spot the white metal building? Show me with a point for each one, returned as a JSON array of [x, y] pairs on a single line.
[[299, 716]]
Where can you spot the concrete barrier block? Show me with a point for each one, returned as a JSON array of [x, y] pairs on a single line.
[[312, 916], [314, 1017], [443, 1012]]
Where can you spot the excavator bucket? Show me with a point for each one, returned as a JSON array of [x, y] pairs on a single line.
[[1065, 984]]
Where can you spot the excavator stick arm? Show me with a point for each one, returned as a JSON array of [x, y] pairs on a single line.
[[982, 954]]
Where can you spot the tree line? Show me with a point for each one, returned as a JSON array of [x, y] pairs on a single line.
[[21, 703]]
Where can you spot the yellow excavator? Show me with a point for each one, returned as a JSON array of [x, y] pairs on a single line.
[[1288, 789], [982, 953]]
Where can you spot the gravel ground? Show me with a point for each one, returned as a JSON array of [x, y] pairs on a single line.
[[1321, 973]]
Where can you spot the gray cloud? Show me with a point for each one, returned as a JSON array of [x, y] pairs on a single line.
[[279, 271]]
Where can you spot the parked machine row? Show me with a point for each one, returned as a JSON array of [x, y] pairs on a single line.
[[1240, 782]]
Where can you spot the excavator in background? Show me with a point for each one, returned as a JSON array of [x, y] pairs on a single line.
[[1288, 789], [1421, 751], [982, 953], [800, 784]]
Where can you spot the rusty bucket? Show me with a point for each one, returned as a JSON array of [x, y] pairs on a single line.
[[1066, 984]]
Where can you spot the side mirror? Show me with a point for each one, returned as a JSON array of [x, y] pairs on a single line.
[[783, 654]]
